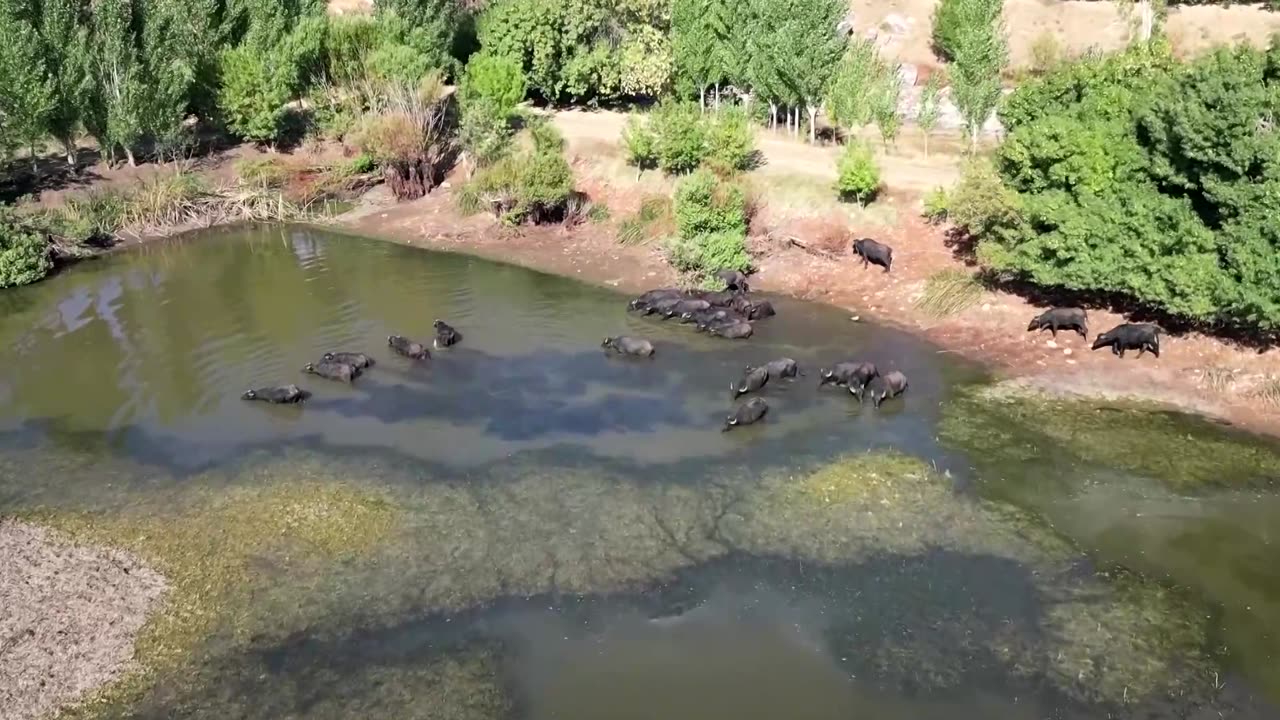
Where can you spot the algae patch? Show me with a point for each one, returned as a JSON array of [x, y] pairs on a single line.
[[1003, 427], [207, 549]]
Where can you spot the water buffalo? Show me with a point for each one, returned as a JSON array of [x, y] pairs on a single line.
[[653, 296], [722, 298], [761, 310], [752, 381], [1143, 337], [887, 386], [341, 372], [782, 368], [750, 412], [661, 307], [281, 395], [1072, 318], [408, 348], [733, 280], [445, 334], [737, 330], [848, 373], [873, 252], [624, 345], [689, 305], [711, 318], [359, 360]]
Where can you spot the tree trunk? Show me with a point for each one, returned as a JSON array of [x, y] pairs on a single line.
[[702, 99], [69, 145], [35, 161], [813, 125], [773, 112], [1147, 15], [128, 153], [717, 97]]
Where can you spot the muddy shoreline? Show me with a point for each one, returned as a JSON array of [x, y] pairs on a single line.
[[992, 333]]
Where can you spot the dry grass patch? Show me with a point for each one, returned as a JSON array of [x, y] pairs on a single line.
[[949, 292]]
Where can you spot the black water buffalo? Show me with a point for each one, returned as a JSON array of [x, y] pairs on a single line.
[[689, 305], [1072, 318], [782, 368], [761, 310], [733, 280], [359, 360], [752, 381], [341, 372], [737, 330], [1142, 337], [887, 386], [445, 334], [624, 345], [750, 412], [848, 373], [722, 298], [661, 307], [873, 252], [654, 296], [281, 395], [708, 319], [408, 348]]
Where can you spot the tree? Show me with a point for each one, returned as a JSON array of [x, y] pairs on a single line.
[[640, 145], [731, 143], [858, 177], [562, 45], [885, 102], [816, 48], [118, 77], [647, 61], [264, 72], [952, 18], [704, 45], [496, 79], [168, 68], [766, 57], [27, 93], [979, 52], [930, 105], [430, 27], [681, 137], [858, 76], [65, 52]]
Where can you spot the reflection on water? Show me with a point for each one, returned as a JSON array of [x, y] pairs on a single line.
[[573, 536]]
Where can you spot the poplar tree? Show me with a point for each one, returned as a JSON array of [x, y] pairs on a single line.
[[26, 91]]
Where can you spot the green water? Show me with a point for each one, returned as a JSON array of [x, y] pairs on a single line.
[[524, 527]]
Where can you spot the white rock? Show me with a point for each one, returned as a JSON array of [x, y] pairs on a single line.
[[1051, 344], [1066, 351]]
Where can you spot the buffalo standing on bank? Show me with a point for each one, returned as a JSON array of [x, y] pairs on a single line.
[[1059, 318], [1142, 337], [734, 280], [874, 253]]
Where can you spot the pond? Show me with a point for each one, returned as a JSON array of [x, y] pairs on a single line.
[[526, 527]]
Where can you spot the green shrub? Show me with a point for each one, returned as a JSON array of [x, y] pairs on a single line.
[[484, 132], [640, 144], [263, 172], [953, 18], [254, 90], [706, 205], [936, 204], [535, 186], [24, 251], [858, 175], [704, 255], [981, 203], [494, 79], [1046, 53], [681, 137], [654, 219], [731, 143]]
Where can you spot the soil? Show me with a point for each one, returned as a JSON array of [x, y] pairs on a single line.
[[71, 614]]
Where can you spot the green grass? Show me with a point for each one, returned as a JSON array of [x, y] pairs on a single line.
[[654, 219], [949, 292]]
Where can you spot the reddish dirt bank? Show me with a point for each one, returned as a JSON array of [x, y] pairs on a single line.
[[1195, 372]]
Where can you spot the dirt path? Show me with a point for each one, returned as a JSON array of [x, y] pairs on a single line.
[[905, 168]]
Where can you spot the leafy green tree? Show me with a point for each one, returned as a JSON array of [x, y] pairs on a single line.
[[640, 144], [850, 99], [561, 45], [706, 204], [681, 137], [929, 109], [118, 77], [952, 18], [767, 56], [264, 72], [646, 60], [428, 26], [979, 52], [168, 67], [884, 105], [704, 44], [484, 132], [65, 52], [496, 79], [816, 49], [857, 175], [731, 144], [27, 93]]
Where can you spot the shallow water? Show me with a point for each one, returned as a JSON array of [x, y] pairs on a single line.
[[578, 538]]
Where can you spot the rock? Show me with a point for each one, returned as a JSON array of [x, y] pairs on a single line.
[[907, 74], [1051, 344], [896, 25], [1066, 351], [845, 26], [986, 307]]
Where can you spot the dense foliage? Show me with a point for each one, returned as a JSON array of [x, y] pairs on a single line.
[[532, 186], [1138, 175], [24, 252], [679, 138], [857, 176], [711, 224]]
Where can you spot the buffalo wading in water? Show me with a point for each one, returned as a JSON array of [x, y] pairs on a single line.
[[1143, 337], [354, 359], [857, 381], [733, 280], [761, 310], [624, 345], [886, 387], [874, 253], [690, 305], [280, 395], [782, 368], [661, 307], [748, 413], [408, 348], [653, 296], [341, 372], [848, 373], [446, 336], [1070, 318], [738, 330], [752, 381]]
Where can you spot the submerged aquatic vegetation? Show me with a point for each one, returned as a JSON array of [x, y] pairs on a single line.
[[1000, 428], [205, 552]]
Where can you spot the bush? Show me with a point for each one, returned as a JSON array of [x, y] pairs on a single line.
[[262, 172], [706, 205], [858, 175], [654, 219], [731, 143], [953, 18], [640, 144], [254, 92], [949, 292], [484, 132], [408, 132], [1046, 53], [495, 80], [24, 251], [935, 207], [681, 137], [981, 203], [704, 255], [531, 187], [93, 217]]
